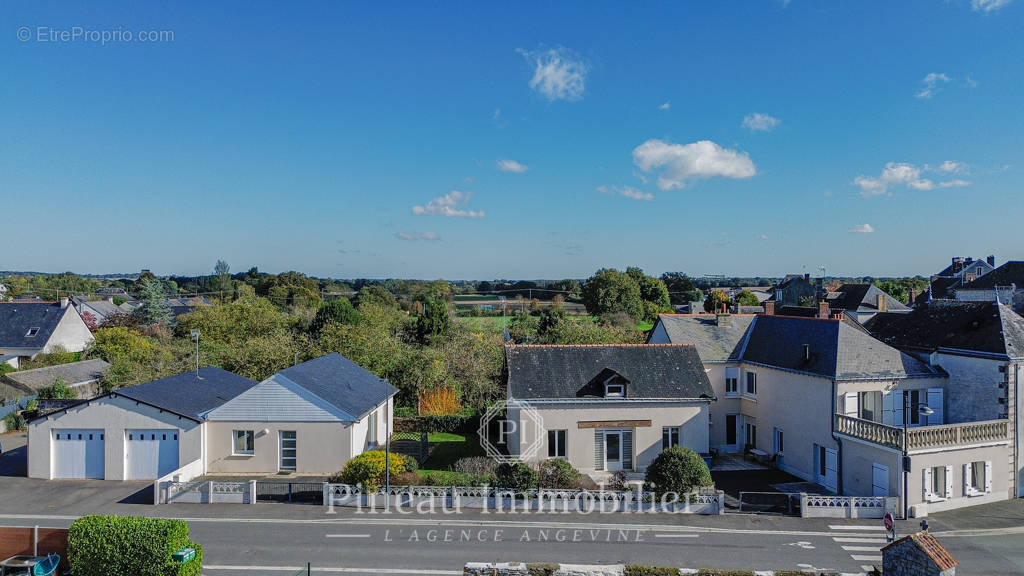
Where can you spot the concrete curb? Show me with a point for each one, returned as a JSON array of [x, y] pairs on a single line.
[[545, 569]]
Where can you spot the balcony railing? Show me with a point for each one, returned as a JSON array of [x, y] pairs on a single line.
[[924, 437]]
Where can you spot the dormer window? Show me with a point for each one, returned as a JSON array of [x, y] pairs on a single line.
[[614, 390], [32, 332]]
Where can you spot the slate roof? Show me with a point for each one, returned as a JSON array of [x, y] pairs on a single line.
[[189, 395], [984, 327], [942, 288], [862, 298], [653, 371], [71, 373], [714, 343], [1009, 273], [342, 383], [17, 318], [837, 350], [102, 307]]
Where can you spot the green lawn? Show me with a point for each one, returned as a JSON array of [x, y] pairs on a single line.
[[645, 326], [447, 448], [484, 323]]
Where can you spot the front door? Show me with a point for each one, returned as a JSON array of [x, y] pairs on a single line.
[[613, 450], [287, 447]]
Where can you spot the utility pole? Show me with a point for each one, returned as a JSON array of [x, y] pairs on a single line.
[[195, 337]]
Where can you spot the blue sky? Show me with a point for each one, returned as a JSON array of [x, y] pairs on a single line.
[[533, 140]]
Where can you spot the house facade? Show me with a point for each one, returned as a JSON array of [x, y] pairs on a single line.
[[310, 418], [607, 408], [28, 329]]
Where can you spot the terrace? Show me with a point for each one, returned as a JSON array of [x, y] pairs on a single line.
[[923, 437]]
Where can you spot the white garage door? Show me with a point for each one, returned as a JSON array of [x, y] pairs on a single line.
[[76, 453], [150, 454]]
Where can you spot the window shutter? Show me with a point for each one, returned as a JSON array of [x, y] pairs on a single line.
[[949, 482], [988, 476], [598, 450], [888, 417], [935, 402], [897, 408], [732, 372], [927, 475], [850, 405], [627, 450], [967, 479]]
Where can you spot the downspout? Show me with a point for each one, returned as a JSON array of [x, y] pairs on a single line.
[[839, 441]]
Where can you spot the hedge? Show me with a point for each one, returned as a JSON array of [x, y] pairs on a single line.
[[104, 545]]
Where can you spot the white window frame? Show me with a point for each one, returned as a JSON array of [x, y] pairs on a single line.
[[553, 446], [621, 390], [669, 430], [986, 480], [732, 382], [748, 379], [237, 435], [928, 483], [778, 441]]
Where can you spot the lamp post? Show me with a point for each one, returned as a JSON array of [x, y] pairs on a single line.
[[195, 338], [387, 449], [924, 410]]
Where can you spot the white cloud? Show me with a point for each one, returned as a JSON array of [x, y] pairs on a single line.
[[449, 205], [758, 122], [988, 5], [680, 164], [667, 105], [862, 229], [971, 82], [412, 237], [557, 76], [626, 191], [764, 237], [950, 167], [958, 183], [903, 174], [930, 84], [512, 166]]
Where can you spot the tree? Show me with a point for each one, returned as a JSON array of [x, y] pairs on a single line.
[[609, 290], [681, 289], [375, 296], [57, 391], [434, 321], [677, 470], [715, 300], [746, 298], [655, 297], [549, 324], [154, 309], [339, 310], [222, 272]]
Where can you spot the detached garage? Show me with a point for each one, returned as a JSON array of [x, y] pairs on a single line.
[[137, 433]]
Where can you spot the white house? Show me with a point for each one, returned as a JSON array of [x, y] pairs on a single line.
[[31, 328], [607, 407], [310, 418]]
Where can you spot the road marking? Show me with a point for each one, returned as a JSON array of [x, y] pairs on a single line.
[[677, 535], [861, 548], [860, 540], [347, 536], [866, 558], [337, 570], [855, 527]]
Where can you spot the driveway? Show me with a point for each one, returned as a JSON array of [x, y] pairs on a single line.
[[13, 454]]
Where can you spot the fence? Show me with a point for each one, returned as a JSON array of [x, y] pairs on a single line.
[[34, 541], [488, 498], [208, 492], [787, 503], [291, 492], [816, 506]]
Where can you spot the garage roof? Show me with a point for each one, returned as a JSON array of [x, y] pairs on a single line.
[[190, 394]]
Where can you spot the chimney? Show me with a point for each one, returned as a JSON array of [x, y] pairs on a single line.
[[881, 304], [807, 352], [807, 278], [63, 302], [722, 319], [991, 261], [968, 260], [823, 310], [769, 308], [958, 264]]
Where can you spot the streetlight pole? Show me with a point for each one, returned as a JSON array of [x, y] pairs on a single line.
[[387, 449], [195, 336], [924, 410]]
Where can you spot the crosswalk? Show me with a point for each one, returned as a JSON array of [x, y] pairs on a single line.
[[863, 543]]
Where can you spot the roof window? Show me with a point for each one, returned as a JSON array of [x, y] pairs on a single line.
[[32, 332]]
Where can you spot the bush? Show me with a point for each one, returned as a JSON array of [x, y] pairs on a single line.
[[14, 421], [518, 476], [475, 466], [367, 469], [101, 545], [557, 473], [678, 470], [407, 479], [58, 391], [641, 570]]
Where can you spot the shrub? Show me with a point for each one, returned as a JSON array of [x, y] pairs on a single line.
[[475, 465], [407, 479], [518, 476], [14, 421], [678, 470], [557, 473], [101, 545], [618, 481], [640, 570], [58, 391], [541, 569], [367, 469]]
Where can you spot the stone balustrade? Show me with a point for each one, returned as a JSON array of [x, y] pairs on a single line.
[[924, 437]]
